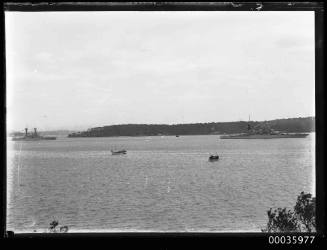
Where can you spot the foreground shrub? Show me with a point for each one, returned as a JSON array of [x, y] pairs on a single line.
[[302, 219], [53, 227]]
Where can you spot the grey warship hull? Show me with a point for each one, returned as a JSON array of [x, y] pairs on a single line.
[[264, 136], [34, 139], [40, 138]]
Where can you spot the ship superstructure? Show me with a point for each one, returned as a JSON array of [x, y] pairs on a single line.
[[262, 131], [33, 136]]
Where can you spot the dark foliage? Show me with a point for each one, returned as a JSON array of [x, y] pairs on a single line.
[[302, 219], [53, 227], [281, 220], [305, 208]]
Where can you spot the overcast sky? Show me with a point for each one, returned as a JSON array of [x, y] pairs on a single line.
[[75, 70]]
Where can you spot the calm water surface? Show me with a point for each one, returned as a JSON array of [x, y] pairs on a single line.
[[162, 184]]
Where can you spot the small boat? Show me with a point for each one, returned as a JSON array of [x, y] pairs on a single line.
[[119, 152], [213, 157]]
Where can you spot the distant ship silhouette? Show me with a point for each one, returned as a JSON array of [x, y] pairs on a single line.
[[262, 131], [33, 137]]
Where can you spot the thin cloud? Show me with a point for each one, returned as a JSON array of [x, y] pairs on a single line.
[[157, 67]]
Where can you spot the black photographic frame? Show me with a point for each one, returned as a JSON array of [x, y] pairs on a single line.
[[196, 238]]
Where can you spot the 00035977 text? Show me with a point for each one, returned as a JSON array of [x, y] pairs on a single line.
[[291, 239]]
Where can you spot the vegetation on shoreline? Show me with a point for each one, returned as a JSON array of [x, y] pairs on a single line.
[[301, 219], [53, 228], [291, 125]]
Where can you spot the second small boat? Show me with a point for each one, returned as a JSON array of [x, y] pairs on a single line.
[[119, 152], [214, 157]]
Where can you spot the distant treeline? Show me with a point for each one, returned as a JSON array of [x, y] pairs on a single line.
[[305, 124]]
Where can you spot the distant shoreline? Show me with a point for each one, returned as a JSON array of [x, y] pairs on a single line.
[[290, 125]]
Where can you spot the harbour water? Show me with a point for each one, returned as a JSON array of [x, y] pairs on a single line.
[[163, 183]]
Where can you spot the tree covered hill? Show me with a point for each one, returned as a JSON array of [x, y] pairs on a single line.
[[301, 124]]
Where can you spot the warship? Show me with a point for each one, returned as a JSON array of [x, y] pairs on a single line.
[[33, 137], [263, 131]]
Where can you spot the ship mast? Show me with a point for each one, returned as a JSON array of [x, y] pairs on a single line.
[[249, 126]]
